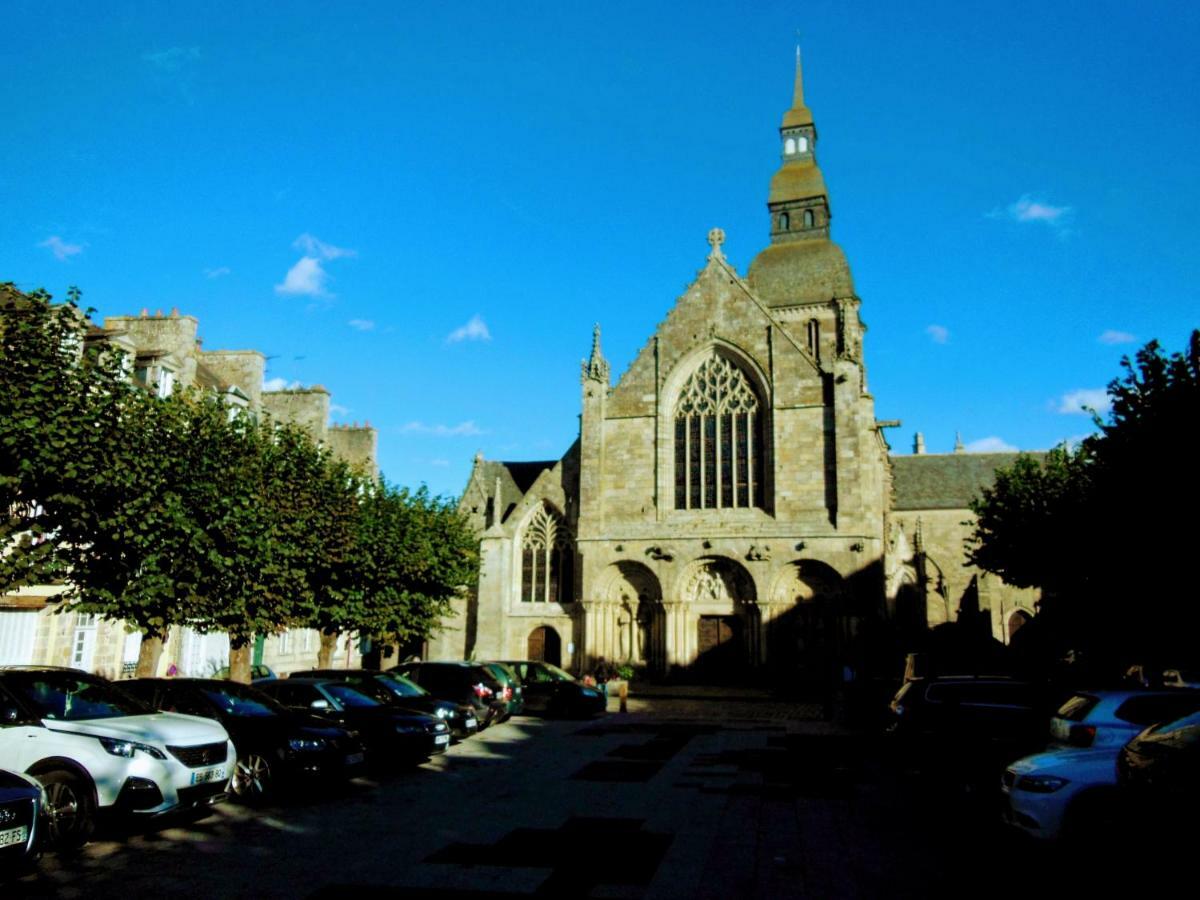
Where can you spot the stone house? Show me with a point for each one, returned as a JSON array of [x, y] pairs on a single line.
[[165, 351], [731, 501]]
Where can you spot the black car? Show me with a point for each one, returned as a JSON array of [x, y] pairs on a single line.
[[394, 688], [20, 815], [461, 682], [552, 692], [391, 735], [273, 743], [1160, 768]]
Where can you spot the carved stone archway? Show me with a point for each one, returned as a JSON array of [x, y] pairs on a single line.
[[628, 625], [810, 624]]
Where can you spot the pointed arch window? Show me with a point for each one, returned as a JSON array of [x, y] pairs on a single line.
[[547, 559], [718, 439]]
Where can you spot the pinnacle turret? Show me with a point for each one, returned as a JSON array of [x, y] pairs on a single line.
[[596, 367]]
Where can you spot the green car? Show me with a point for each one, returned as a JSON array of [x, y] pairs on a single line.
[[514, 691]]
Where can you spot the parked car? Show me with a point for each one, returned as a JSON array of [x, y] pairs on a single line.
[[20, 818], [394, 688], [273, 744], [1160, 772], [391, 735], [1070, 787], [514, 694], [553, 692], [968, 727], [460, 682], [94, 747], [257, 673]]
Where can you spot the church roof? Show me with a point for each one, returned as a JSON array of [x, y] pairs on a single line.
[[800, 272], [944, 480], [516, 478]]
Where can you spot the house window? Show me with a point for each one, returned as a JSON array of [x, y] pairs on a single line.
[[718, 439], [83, 645], [166, 382], [547, 559], [285, 643], [306, 642]]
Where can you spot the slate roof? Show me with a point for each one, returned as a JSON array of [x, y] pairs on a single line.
[[944, 480], [515, 479]]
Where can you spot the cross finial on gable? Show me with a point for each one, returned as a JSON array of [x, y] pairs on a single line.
[[716, 237]]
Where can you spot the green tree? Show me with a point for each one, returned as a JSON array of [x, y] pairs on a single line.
[[1107, 531]]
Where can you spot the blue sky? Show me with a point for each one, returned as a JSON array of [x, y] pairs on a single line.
[[425, 207]]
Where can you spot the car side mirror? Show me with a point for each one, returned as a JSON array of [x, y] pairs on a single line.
[[319, 705]]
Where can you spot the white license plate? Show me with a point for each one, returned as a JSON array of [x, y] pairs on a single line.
[[206, 775], [14, 836], [470, 723], [353, 759], [441, 738]]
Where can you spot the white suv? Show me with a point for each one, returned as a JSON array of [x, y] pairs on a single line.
[[94, 747]]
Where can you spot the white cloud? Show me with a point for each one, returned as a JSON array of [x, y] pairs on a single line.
[[60, 248], [474, 330], [279, 384], [939, 334], [1027, 209], [338, 410], [462, 429], [440, 463], [305, 277], [219, 272], [173, 58], [1073, 402], [361, 324], [1116, 337], [315, 247], [990, 445]]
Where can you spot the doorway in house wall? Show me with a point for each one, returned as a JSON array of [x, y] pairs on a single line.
[[544, 645]]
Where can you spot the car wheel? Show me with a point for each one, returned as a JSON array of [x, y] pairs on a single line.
[[252, 778], [70, 808]]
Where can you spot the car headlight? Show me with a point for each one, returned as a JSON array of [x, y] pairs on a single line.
[[303, 744], [1041, 784], [128, 748], [442, 712]]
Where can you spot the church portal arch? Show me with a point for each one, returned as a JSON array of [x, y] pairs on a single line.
[[634, 629], [720, 622], [811, 623], [544, 645]]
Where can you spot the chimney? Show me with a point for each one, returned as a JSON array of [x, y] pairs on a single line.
[[919, 444]]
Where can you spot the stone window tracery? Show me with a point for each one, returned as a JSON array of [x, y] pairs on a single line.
[[718, 439], [547, 559]]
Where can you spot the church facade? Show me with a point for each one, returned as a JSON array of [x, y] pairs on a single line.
[[730, 503]]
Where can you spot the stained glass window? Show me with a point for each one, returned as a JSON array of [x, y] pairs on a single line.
[[547, 559]]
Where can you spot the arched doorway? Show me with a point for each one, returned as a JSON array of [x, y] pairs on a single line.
[[635, 632], [811, 627], [544, 645], [1016, 622], [719, 597]]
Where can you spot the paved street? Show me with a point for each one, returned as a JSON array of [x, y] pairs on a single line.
[[690, 794]]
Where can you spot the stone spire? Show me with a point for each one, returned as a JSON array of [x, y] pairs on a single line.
[[799, 114], [958, 444], [596, 367]]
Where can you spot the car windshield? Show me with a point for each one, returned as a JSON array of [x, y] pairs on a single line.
[[401, 686], [72, 698], [555, 673], [237, 702], [350, 697]]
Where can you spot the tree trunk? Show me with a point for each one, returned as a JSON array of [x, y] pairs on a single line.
[[328, 646], [149, 655], [239, 663]]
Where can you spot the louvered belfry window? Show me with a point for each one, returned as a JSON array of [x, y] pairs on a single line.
[[547, 557], [718, 439]]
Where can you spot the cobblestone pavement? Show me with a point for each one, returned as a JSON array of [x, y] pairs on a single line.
[[690, 794]]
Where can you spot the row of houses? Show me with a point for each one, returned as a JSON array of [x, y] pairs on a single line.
[[166, 350]]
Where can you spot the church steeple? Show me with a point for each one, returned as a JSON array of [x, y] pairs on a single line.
[[798, 204], [801, 265]]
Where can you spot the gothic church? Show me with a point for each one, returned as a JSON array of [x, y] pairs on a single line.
[[730, 503]]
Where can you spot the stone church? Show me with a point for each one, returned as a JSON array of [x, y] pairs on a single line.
[[731, 502]]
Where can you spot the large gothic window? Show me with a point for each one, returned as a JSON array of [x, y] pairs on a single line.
[[547, 557], [718, 439]]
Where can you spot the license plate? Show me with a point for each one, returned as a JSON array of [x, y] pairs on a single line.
[[441, 738], [14, 836], [353, 759], [470, 723], [206, 775]]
